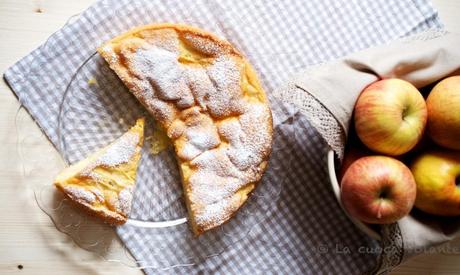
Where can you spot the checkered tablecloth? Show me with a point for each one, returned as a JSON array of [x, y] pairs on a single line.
[[304, 231]]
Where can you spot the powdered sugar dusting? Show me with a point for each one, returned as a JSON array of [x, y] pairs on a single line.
[[88, 172], [201, 140], [110, 54], [215, 213], [209, 188], [124, 200], [161, 69], [217, 162], [202, 44], [247, 136], [200, 85], [222, 171], [119, 152], [226, 98], [99, 195], [216, 88], [199, 134], [80, 194]]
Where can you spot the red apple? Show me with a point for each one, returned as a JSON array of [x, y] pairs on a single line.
[[352, 153], [378, 189], [437, 174], [390, 116], [443, 104]]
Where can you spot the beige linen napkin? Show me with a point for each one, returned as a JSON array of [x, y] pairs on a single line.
[[327, 93]]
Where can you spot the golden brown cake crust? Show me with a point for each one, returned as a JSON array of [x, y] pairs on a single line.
[[108, 217], [208, 99]]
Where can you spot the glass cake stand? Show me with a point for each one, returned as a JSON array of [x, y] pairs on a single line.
[[95, 110]]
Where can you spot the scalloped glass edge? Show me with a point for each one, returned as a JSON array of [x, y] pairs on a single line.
[[76, 224]]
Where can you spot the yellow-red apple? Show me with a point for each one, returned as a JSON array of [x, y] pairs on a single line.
[[390, 116], [437, 174], [443, 104], [378, 190]]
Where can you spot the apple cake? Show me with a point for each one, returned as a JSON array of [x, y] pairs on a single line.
[[208, 99]]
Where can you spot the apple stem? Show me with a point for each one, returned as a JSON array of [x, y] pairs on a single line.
[[404, 112], [379, 210]]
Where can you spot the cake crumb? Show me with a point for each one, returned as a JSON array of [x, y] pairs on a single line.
[[159, 142], [92, 81]]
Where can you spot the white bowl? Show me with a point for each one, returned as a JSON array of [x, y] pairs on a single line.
[[366, 228]]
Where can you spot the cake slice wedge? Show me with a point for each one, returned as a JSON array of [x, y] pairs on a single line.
[[104, 182]]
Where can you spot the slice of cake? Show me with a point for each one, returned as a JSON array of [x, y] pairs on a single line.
[[103, 183]]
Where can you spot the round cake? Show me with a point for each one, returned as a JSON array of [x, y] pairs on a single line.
[[208, 99]]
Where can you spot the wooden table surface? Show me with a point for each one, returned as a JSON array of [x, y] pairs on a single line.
[[29, 242]]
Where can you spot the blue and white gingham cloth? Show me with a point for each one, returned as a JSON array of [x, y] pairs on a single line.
[[304, 231]]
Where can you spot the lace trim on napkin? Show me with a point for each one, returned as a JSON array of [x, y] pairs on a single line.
[[392, 249], [320, 117]]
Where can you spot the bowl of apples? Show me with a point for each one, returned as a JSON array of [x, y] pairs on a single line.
[[403, 152]]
